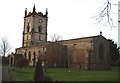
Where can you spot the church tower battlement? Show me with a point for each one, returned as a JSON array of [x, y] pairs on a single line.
[[35, 28]]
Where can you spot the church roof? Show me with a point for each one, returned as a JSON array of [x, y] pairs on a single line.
[[84, 38]]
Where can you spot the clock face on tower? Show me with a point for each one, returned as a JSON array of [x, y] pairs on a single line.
[[40, 21]]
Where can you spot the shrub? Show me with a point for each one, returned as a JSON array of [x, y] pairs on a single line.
[[22, 62]]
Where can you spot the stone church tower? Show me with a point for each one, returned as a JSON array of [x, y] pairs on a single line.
[[35, 28]]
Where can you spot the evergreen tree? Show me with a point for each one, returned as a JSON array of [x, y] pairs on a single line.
[[114, 52], [38, 76]]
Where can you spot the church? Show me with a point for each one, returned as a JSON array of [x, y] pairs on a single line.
[[83, 53]]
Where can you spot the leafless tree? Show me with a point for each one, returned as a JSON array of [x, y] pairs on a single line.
[[4, 47], [104, 15], [56, 37], [56, 55]]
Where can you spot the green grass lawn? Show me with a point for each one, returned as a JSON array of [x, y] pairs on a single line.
[[24, 74], [62, 74]]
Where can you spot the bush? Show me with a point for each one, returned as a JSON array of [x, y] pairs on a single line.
[[22, 62]]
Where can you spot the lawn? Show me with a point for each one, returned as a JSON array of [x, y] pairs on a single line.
[[62, 74]]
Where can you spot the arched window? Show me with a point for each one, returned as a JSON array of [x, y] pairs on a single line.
[[29, 56], [34, 59], [34, 55], [39, 55], [25, 55], [28, 28], [101, 51], [39, 29]]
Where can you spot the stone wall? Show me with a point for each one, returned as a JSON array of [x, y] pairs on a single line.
[[78, 50], [83, 53], [32, 53], [101, 53]]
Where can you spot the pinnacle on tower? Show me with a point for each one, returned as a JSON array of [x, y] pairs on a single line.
[[34, 8], [25, 11], [46, 11]]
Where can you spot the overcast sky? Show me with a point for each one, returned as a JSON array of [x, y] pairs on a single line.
[[68, 18]]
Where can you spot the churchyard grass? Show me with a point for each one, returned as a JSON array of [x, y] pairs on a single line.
[[24, 74], [63, 74]]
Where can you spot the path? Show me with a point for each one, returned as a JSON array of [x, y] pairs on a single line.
[[5, 74]]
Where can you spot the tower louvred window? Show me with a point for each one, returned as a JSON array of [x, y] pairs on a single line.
[[28, 28], [39, 29]]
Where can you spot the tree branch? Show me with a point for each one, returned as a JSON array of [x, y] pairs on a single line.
[[104, 15]]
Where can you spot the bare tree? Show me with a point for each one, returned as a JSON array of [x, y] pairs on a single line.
[[105, 14], [56, 37], [4, 47], [56, 55]]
